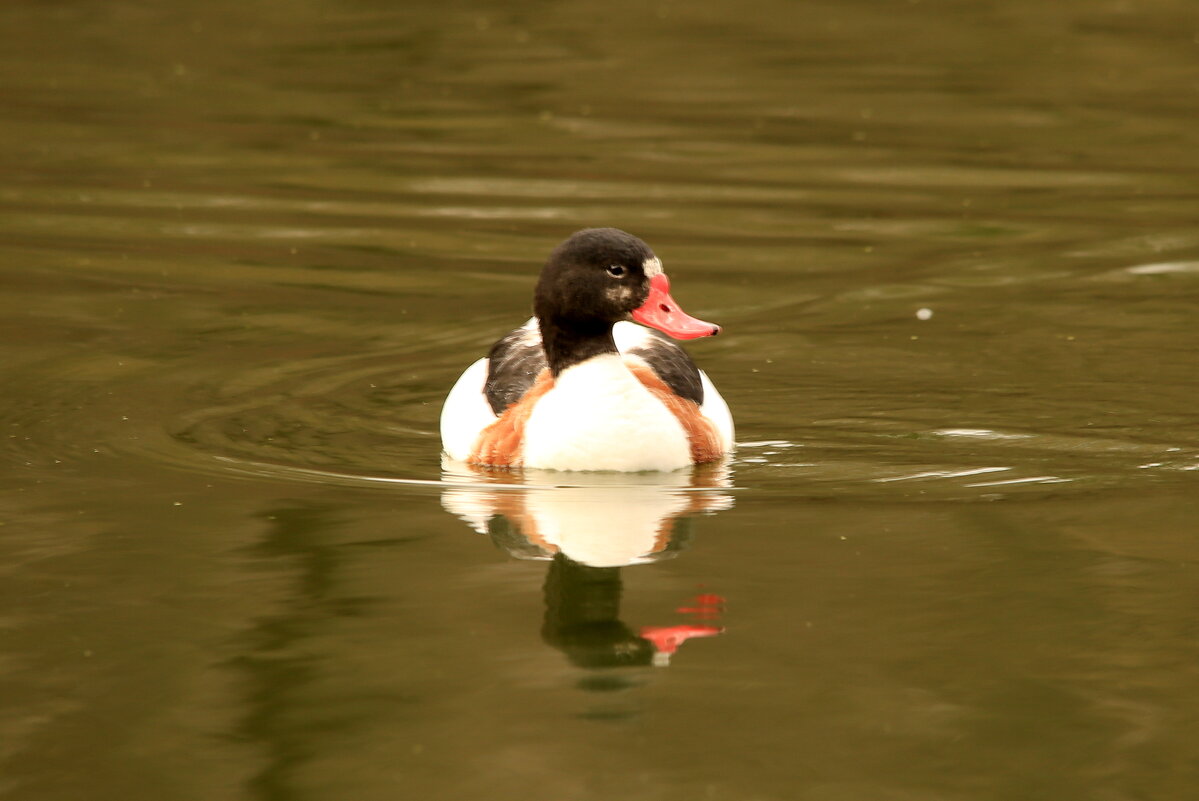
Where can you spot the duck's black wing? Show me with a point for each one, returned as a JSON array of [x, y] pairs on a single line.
[[513, 364]]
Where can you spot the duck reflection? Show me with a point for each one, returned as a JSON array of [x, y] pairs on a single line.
[[582, 619], [595, 519], [588, 530]]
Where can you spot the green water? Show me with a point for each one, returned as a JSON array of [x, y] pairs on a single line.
[[246, 248]]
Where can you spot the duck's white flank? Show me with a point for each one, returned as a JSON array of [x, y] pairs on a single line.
[[466, 412], [715, 409]]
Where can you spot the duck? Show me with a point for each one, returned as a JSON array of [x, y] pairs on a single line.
[[593, 381]]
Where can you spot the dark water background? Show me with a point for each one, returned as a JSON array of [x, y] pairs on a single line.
[[245, 249]]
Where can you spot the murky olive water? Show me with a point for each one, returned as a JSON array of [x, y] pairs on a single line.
[[248, 247]]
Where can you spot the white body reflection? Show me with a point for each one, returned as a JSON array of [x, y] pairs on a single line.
[[595, 519]]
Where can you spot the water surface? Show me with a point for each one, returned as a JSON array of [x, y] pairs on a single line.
[[247, 248]]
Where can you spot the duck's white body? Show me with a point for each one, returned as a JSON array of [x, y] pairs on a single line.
[[597, 416]]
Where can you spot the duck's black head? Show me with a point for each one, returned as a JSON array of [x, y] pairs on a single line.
[[596, 278]]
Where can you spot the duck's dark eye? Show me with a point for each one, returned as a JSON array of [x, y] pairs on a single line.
[[617, 270]]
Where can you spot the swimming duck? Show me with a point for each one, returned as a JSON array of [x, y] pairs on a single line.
[[581, 387]]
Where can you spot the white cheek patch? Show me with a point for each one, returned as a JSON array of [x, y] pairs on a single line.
[[652, 266], [619, 294]]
